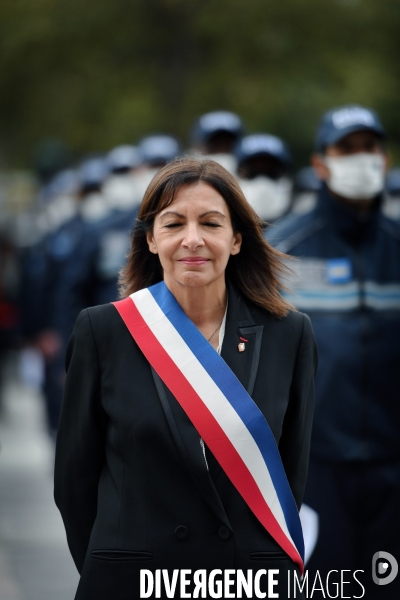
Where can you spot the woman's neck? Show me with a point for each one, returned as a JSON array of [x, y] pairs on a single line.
[[204, 305]]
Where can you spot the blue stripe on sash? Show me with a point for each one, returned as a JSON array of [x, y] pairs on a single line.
[[243, 404]]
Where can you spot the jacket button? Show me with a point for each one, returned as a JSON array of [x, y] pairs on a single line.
[[181, 532], [224, 533]]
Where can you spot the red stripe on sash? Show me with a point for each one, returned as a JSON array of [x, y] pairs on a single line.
[[204, 422]]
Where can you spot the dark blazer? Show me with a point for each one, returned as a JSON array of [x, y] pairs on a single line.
[[131, 480]]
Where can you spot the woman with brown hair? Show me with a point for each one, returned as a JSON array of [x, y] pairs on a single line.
[[184, 436]]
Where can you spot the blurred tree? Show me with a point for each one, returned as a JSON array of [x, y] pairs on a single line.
[[99, 74]]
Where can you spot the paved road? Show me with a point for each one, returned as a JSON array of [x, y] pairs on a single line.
[[34, 560]]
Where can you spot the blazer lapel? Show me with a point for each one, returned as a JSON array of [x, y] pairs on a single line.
[[187, 441], [241, 328]]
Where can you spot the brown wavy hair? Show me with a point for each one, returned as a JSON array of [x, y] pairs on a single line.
[[257, 269]]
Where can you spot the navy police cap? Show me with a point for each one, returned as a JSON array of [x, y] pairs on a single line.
[[92, 172], [214, 122], [64, 182], [158, 148], [339, 122], [123, 157], [263, 144]]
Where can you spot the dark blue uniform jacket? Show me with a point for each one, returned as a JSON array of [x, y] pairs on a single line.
[[347, 279]]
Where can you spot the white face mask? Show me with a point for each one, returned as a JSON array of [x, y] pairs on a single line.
[[358, 176], [269, 198]]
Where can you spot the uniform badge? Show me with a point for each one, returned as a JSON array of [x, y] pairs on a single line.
[[338, 270]]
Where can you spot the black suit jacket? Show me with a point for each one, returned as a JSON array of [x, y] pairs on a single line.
[[131, 480]]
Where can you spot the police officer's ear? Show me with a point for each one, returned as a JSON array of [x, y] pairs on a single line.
[[319, 166]]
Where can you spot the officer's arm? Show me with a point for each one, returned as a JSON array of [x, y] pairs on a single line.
[[294, 445], [80, 440]]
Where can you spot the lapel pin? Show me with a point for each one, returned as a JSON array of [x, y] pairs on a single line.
[[242, 345]]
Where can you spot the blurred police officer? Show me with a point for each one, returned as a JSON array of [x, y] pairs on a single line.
[[75, 285], [121, 189], [42, 264], [348, 281], [62, 254], [215, 135], [156, 150], [263, 168], [92, 175]]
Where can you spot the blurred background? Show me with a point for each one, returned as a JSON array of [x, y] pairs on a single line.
[[95, 76], [79, 80]]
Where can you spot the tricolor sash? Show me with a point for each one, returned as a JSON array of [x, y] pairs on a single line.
[[219, 407]]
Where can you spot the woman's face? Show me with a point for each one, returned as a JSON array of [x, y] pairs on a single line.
[[194, 238]]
